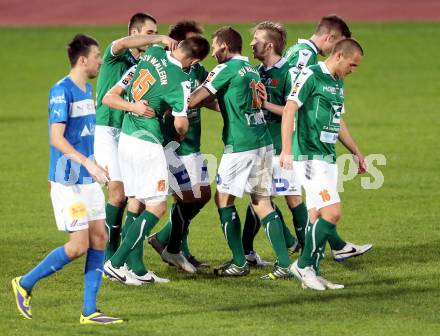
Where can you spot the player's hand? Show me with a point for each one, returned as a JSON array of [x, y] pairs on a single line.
[[98, 173], [262, 93], [286, 160], [360, 162], [169, 42], [142, 109]]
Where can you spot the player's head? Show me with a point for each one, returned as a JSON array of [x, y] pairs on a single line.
[[226, 41], [141, 23], [83, 53], [346, 55], [184, 29], [192, 50], [269, 38], [330, 30]]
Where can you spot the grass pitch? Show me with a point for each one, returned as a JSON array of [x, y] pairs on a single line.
[[392, 109]]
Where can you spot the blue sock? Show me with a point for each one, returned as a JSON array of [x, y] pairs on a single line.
[[53, 262], [92, 279]]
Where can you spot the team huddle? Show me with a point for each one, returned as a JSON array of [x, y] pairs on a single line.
[[282, 120]]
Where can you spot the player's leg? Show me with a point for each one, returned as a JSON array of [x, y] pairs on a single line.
[[106, 155], [93, 275], [299, 214]]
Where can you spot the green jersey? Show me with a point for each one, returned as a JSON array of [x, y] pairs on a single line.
[[235, 85], [191, 143], [112, 68], [302, 54], [320, 97], [160, 80], [278, 80]]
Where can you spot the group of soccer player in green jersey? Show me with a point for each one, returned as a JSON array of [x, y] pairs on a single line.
[[282, 120]]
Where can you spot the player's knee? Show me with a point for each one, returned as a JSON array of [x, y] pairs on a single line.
[[332, 216], [117, 199], [99, 240], [77, 249], [293, 201]]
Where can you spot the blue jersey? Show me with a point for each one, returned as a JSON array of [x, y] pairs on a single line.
[[70, 105]]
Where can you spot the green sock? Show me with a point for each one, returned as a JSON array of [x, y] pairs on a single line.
[[141, 227], [288, 237], [274, 230], [135, 258], [164, 234], [300, 218], [335, 241], [251, 227], [113, 223], [315, 239], [232, 230], [184, 247]]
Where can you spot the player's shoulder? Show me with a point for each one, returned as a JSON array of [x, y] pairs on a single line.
[[63, 86]]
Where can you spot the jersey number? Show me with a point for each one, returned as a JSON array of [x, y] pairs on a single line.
[[142, 84], [256, 101]]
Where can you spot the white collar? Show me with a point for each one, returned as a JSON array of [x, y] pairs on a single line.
[[309, 43], [241, 58], [325, 69], [277, 65], [173, 60]]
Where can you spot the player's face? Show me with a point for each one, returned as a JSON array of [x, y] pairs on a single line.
[[93, 62], [348, 64], [218, 51], [259, 45], [148, 28]]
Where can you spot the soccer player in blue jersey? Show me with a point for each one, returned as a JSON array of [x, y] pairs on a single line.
[[77, 198]]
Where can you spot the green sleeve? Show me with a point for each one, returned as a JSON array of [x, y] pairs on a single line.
[[217, 78], [303, 87], [178, 98]]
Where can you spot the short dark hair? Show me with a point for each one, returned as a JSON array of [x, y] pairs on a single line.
[[79, 46], [138, 19], [333, 22], [348, 47], [195, 47], [179, 30], [275, 33], [230, 37]]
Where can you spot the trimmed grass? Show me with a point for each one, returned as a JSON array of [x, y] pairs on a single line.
[[392, 109]]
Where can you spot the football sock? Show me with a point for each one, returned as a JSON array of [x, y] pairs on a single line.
[[177, 225], [92, 279], [53, 262], [184, 246], [252, 225], [135, 258], [288, 237], [315, 239], [231, 228], [183, 213], [113, 223], [141, 227], [300, 218], [274, 230], [164, 234], [335, 241]]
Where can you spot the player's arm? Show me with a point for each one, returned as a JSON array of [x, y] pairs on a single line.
[[287, 128], [178, 100], [138, 41], [267, 105], [58, 141], [211, 104], [114, 97], [198, 97], [349, 143]]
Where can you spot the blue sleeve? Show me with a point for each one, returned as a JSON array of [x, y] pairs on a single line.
[[58, 105]]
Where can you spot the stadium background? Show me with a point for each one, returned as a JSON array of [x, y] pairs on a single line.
[[392, 109]]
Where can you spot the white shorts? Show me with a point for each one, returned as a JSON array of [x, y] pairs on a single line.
[[187, 171], [75, 205], [106, 150], [320, 181], [285, 183], [249, 171], [143, 168]]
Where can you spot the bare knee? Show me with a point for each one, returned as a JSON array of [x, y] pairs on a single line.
[[332, 216], [157, 209], [76, 249], [293, 201], [116, 195], [98, 240]]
